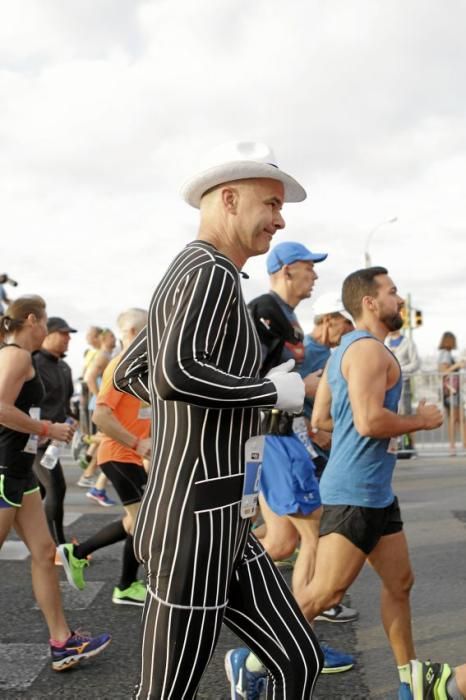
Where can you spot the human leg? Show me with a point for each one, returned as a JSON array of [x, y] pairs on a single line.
[[264, 614], [281, 536], [32, 527], [53, 488], [390, 560], [308, 529]]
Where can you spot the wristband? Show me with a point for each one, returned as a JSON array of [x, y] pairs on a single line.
[[45, 430]]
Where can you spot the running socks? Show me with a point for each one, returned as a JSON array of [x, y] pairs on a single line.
[[114, 532], [253, 664], [405, 674]]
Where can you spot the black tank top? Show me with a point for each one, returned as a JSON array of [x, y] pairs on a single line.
[[12, 442]]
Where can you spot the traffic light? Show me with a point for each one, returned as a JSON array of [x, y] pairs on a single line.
[[417, 318], [405, 316]]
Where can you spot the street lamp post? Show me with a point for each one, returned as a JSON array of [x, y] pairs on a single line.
[[367, 257]]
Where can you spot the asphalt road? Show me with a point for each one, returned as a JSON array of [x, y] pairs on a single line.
[[432, 494]]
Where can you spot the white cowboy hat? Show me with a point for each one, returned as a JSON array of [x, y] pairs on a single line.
[[330, 303], [239, 160]]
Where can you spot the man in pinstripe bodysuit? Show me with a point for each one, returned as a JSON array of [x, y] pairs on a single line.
[[198, 364]]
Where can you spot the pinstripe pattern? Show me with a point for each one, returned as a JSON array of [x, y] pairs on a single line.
[[198, 364]]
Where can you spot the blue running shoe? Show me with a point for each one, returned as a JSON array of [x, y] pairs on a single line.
[[243, 683], [404, 692], [78, 647], [100, 496], [335, 661]]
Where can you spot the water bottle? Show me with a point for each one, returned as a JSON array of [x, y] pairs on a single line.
[[52, 453]]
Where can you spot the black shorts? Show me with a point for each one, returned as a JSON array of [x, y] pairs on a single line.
[[362, 526], [129, 480], [14, 487]]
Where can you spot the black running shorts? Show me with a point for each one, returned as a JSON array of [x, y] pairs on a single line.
[[362, 526], [14, 487], [129, 480]]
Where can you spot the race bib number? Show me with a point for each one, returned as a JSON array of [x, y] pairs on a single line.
[[300, 430], [392, 448], [144, 412], [33, 440], [254, 450]]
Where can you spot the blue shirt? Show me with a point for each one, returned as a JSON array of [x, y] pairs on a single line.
[[315, 357], [360, 469]]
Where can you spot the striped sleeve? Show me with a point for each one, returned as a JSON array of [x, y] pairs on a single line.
[[131, 374], [186, 368]]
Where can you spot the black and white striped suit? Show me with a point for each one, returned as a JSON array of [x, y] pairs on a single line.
[[198, 365]]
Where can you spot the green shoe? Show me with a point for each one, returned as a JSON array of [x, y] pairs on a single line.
[[73, 566], [430, 680], [133, 595]]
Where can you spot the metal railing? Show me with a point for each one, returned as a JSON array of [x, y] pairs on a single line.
[[448, 392]]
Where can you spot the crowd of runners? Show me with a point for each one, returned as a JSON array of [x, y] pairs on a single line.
[[234, 442]]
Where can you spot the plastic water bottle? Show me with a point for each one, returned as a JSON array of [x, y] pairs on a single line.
[[52, 453]]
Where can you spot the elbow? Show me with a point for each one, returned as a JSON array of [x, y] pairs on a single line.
[[364, 427], [2, 412], [318, 422]]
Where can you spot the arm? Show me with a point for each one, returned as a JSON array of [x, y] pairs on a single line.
[[131, 374], [184, 368], [15, 369], [106, 421], [94, 371], [321, 414], [365, 367]]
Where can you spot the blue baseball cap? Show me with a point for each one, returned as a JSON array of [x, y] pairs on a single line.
[[287, 253]]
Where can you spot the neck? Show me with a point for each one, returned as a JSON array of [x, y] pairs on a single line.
[[52, 351], [21, 338], [223, 244], [373, 326], [285, 293]]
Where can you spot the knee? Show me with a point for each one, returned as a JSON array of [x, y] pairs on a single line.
[[43, 554], [402, 587], [128, 524], [314, 601], [279, 548]]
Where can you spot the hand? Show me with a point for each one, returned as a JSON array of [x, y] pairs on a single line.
[[432, 417], [63, 432], [279, 369], [311, 382], [143, 447], [322, 439], [290, 391]]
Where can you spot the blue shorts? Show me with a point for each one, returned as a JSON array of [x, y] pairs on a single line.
[[288, 481]]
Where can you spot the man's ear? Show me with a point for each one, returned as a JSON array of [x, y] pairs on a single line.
[[368, 302], [230, 198]]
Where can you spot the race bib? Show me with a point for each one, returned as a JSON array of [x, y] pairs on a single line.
[[254, 450], [300, 430], [33, 440], [392, 448]]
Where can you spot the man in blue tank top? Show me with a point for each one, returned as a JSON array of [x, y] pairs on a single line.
[[358, 399]]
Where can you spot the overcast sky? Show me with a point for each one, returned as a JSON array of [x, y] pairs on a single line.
[[107, 106]]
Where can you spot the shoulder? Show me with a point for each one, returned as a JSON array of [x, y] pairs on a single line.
[[15, 357], [206, 261], [367, 351]]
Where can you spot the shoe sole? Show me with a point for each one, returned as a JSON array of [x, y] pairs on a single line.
[[231, 680], [336, 620], [71, 661], [339, 669], [120, 601], [66, 566]]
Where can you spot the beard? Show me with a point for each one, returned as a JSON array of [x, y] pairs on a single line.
[[393, 322]]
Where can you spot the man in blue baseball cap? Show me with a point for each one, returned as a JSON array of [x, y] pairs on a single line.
[[289, 490]]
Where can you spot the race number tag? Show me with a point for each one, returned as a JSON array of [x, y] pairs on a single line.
[[392, 448], [300, 430], [254, 449], [144, 412], [33, 441]]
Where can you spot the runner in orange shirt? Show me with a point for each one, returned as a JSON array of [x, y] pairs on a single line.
[[125, 422]]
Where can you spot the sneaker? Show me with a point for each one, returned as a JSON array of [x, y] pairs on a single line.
[[86, 482], [73, 566], [243, 683], [335, 661], [404, 692], [79, 646], [430, 680], [133, 595], [83, 462], [100, 495], [339, 613]]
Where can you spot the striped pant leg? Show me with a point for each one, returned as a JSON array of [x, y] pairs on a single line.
[[177, 644], [264, 614]]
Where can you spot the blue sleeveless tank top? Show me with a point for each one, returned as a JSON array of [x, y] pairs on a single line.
[[360, 469]]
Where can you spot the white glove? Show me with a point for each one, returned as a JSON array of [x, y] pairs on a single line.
[[289, 387]]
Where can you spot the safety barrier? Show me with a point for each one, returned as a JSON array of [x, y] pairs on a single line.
[[448, 392]]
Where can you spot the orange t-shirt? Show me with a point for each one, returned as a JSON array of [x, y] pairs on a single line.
[[132, 413]]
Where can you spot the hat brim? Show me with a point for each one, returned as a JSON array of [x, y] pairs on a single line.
[[193, 190], [63, 329]]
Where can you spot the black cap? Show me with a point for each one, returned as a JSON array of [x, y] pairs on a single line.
[[55, 323]]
